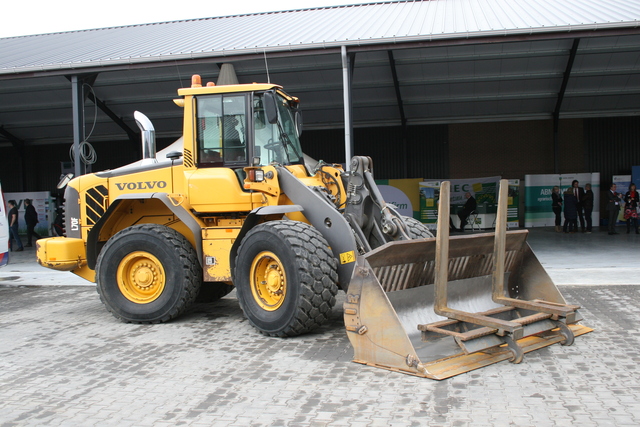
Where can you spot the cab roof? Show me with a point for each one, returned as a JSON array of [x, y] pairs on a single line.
[[206, 90]]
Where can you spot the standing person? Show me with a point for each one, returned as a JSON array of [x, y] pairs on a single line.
[[13, 225], [469, 206], [31, 218], [570, 212], [578, 192], [613, 207], [630, 208], [556, 205], [587, 205]]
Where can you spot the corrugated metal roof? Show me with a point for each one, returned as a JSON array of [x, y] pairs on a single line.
[[389, 22]]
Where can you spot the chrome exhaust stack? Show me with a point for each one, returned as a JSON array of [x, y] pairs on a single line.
[[148, 134]]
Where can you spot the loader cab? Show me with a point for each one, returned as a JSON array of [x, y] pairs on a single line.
[[235, 127], [235, 130]]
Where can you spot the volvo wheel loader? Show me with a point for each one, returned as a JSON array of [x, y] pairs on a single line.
[[236, 203]]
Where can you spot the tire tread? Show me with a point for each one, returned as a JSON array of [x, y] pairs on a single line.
[[190, 269], [317, 269]]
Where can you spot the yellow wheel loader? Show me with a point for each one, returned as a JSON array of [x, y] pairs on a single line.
[[236, 203]]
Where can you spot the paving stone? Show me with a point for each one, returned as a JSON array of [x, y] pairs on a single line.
[[65, 361]]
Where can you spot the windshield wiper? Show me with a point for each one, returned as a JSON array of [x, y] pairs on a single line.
[[284, 137]]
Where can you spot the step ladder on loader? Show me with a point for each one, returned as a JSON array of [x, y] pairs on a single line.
[[443, 306]]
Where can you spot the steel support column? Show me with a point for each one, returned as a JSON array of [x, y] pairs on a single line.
[[348, 124], [556, 111], [403, 118], [77, 106]]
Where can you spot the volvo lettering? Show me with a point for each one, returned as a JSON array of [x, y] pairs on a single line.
[[147, 185]]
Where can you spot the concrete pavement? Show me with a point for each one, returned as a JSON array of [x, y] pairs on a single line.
[[64, 360]]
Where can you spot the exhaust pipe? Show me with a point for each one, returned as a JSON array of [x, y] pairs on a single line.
[[148, 134]]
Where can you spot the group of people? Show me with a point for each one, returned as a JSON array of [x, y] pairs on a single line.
[[630, 200], [30, 218], [577, 203]]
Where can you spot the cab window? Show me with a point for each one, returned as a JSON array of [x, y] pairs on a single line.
[[221, 130], [277, 142]]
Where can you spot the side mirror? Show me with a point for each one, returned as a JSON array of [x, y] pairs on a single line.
[[256, 150], [298, 123], [270, 107], [64, 180]]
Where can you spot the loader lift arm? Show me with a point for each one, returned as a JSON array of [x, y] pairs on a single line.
[[373, 220], [366, 223]]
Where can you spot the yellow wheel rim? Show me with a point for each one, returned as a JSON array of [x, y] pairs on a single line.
[[268, 281], [141, 278]]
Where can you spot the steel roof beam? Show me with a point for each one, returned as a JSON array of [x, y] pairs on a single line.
[[556, 111], [134, 137], [566, 75], [403, 118]]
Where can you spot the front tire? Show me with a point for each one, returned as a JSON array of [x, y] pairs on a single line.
[[286, 278], [148, 273]]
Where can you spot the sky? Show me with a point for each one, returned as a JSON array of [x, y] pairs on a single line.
[[46, 16]]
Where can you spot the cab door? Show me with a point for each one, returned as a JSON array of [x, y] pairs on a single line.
[[222, 150]]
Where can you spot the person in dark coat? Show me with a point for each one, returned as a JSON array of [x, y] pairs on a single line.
[[570, 212], [13, 227], [469, 206], [587, 205], [578, 192], [613, 207], [556, 205], [31, 218]]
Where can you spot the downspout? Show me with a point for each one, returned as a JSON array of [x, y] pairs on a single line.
[[348, 125]]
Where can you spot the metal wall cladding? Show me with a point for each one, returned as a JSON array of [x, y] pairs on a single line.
[[613, 145], [426, 153]]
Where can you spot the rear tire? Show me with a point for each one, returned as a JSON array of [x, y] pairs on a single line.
[[417, 230], [148, 273], [286, 278]]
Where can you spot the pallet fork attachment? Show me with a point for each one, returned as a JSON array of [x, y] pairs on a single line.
[[443, 306]]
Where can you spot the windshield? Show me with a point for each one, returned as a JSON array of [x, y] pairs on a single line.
[[277, 142]]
